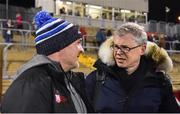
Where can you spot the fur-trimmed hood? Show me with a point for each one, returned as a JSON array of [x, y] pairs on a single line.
[[159, 55]]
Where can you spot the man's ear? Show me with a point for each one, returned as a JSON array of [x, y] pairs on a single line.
[[143, 49]]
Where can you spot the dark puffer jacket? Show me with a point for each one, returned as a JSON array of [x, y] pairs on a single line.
[[148, 89], [143, 91]]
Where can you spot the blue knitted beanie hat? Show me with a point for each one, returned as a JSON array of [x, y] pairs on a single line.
[[53, 34]]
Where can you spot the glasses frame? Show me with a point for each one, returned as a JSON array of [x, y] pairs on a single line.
[[117, 48]]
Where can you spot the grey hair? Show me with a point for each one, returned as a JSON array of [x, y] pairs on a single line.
[[136, 30]]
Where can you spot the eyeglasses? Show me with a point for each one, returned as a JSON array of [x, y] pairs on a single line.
[[123, 48]]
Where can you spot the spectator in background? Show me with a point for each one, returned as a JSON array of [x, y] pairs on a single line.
[[34, 27], [77, 13], [162, 42], [84, 34], [62, 10], [100, 36], [46, 83], [104, 15], [109, 33], [8, 33], [69, 11], [97, 17], [19, 21], [151, 38], [178, 36]]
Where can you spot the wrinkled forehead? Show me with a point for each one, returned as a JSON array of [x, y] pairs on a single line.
[[124, 39]]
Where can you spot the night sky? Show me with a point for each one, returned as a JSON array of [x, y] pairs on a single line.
[[24, 3], [156, 8]]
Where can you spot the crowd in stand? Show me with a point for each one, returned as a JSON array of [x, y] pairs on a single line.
[[165, 41]]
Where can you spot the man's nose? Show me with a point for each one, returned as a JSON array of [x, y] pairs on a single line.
[[120, 52], [81, 48]]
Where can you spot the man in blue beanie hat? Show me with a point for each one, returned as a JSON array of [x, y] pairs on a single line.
[[46, 83]]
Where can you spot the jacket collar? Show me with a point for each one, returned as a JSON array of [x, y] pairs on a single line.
[[159, 55], [38, 60]]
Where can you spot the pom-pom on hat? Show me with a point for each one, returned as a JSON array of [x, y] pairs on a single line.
[[53, 34]]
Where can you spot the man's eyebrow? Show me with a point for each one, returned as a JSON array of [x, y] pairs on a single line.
[[121, 45], [125, 46]]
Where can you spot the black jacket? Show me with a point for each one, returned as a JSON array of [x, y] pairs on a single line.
[[143, 91], [42, 88]]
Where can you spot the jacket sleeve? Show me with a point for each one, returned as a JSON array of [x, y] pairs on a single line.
[[90, 84], [30, 94], [169, 103]]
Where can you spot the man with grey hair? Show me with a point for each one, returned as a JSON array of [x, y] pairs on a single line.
[[131, 74]]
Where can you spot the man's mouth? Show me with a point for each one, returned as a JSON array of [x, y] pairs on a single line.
[[120, 60]]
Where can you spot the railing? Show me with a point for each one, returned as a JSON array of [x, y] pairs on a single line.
[[89, 42], [26, 25], [6, 62], [169, 29], [25, 35], [7, 52], [85, 21]]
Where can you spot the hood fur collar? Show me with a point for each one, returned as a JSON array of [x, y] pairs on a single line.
[[159, 55]]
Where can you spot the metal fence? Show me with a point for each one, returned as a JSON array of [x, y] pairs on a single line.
[[169, 29], [14, 57], [26, 25], [18, 36]]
